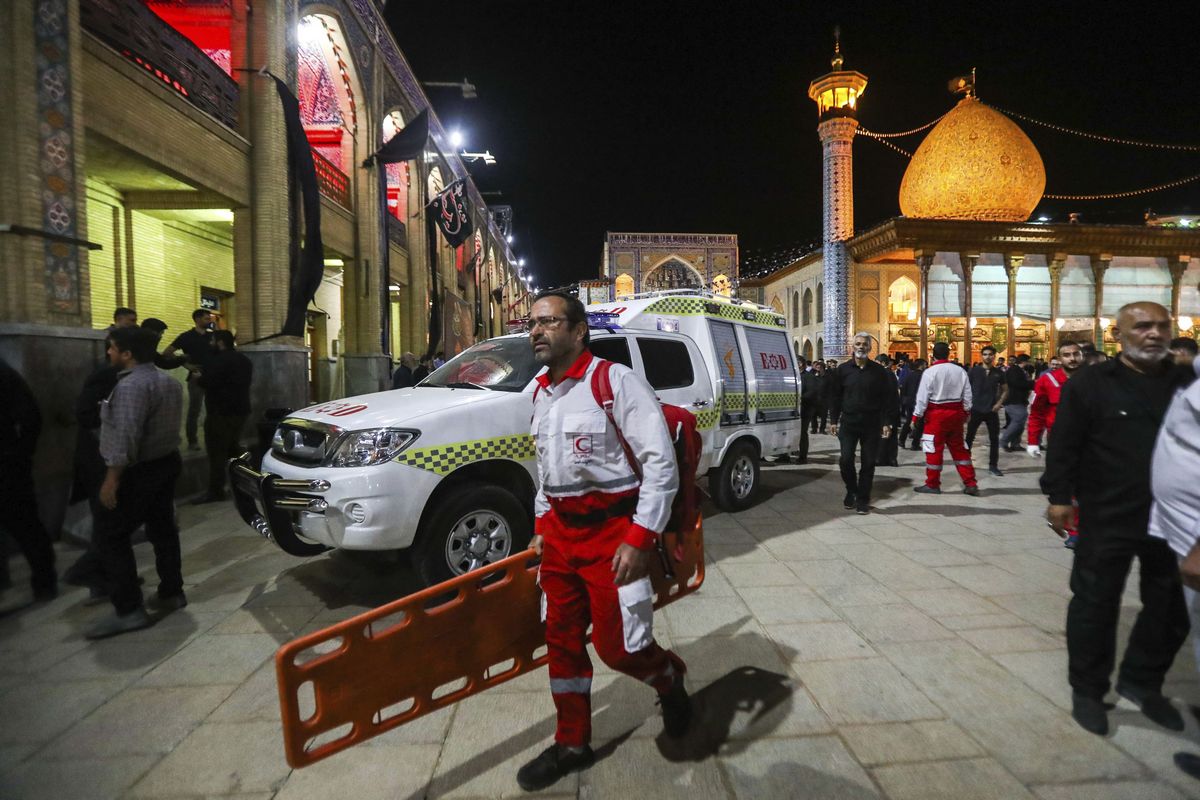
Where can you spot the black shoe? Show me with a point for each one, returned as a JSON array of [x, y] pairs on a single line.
[[923, 489], [849, 501], [996, 471], [1090, 713], [800, 460], [165, 605], [1157, 708], [862, 508], [676, 709], [1188, 763], [971, 490], [553, 764]]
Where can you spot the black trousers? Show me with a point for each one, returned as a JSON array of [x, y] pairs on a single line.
[[1102, 563], [807, 414], [222, 441], [857, 433], [992, 420], [20, 520], [146, 496], [820, 417]]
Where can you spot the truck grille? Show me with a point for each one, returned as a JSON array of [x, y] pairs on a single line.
[[301, 442]]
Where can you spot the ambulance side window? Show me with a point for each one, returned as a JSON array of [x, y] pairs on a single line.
[[667, 363], [612, 348]]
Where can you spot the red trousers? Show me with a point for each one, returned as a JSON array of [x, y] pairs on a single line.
[[577, 583], [944, 428]]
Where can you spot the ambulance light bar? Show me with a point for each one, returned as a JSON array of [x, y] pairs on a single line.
[[602, 319]]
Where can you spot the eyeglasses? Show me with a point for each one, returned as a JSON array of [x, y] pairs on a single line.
[[548, 323]]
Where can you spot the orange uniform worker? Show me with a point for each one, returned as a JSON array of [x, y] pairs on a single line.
[[944, 400], [596, 528]]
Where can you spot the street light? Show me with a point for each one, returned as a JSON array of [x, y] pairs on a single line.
[[465, 86], [456, 138]]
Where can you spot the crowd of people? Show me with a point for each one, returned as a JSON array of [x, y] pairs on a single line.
[[129, 413]]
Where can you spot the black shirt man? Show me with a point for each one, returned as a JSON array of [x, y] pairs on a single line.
[[196, 345], [1100, 451], [989, 391], [226, 382], [1016, 405], [862, 402]]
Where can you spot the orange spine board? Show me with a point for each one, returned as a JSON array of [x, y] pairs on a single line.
[[383, 668]]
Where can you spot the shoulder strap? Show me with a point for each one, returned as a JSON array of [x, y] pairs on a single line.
[[602, 391]]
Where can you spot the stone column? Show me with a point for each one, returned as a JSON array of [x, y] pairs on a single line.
[[924, 262], [261, 232], [968, 260], [1100, 263], [1178, 267], [837, 138], [1056, 262], [1012, 264]]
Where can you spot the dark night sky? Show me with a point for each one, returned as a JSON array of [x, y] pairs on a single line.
[[694, 116]]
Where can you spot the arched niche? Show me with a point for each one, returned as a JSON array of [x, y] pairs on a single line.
[[777, 304], [820, 302], [330, 94], [902, 299], [807, 315], [672, 273], [624, 286], [399, 176]]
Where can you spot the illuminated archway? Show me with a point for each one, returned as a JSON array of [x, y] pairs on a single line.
[[902, 300], [328, 89], [777, 304], [722, 286], [399, 175], [624, 286], [672, 273], [808, 350]]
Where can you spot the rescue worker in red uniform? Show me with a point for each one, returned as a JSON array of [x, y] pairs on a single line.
[[596, 529], [1043, 408], [1046, 393], [944, 401]]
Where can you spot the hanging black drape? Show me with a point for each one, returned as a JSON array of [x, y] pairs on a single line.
[[306, 263]]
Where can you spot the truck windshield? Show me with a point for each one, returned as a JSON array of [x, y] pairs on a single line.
[[503, 364]]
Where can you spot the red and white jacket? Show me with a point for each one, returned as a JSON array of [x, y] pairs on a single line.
[[1044, 406], [582, 468], [944, 383]]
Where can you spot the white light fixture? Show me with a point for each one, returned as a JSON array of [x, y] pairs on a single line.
[[974, 321], [1043, 218], [334, 262], [456, 138], [1105, 322], [310, 31], [1186, 223], [1185, 323], [1016, 321], [1059, 323], [509, 238], [520, 262], [393, 287]]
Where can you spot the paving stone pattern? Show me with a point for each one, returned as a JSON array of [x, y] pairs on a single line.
[[916, 652]]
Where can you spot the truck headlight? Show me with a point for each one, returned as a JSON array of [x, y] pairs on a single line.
[[374, 446]]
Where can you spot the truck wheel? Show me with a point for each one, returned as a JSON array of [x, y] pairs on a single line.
[[470, 529], [735, 482]]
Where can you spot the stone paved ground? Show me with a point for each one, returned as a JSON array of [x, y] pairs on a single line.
[[913, 653]]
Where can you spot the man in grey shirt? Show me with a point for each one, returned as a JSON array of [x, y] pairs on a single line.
[[139, 442]]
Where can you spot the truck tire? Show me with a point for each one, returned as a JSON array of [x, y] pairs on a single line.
[[734, 483], [471, 527]]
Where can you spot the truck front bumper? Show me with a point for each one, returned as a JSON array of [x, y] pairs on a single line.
[[269, 504]]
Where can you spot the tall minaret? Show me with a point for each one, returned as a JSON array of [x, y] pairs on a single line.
[[836, 95]]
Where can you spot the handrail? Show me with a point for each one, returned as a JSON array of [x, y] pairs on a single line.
[[334, 183]]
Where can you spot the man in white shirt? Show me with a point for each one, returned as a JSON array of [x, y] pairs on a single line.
[[944, 400], [604, 498], [1175, 515]]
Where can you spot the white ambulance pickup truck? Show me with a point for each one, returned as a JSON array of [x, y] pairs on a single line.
[[447, 467]]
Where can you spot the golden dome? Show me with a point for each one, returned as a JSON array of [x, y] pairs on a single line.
[[975, 164]]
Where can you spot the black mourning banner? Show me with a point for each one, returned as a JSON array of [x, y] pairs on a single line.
[[452, 213], [307, 268], [406, 145]]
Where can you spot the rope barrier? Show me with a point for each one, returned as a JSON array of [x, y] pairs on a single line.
[[1099, 137]]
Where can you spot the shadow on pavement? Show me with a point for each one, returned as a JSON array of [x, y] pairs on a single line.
[[763, 695], [738, 702], [950, 511]]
